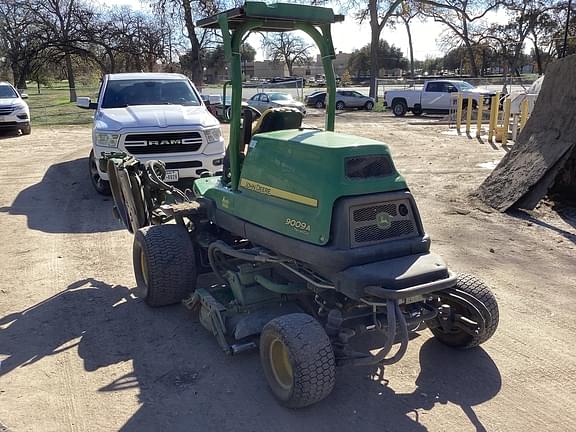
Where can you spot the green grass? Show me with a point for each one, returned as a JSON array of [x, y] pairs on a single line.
[[379, 106], [52, 107]]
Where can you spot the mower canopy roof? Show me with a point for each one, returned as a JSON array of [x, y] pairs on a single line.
[[274, 17]]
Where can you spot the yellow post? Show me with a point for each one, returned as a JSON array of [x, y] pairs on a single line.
[[480, 115], [506, 120], [523, 113], [468, 114], [459, 113], [493, 117]]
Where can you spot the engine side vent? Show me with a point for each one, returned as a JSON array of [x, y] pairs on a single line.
[[368, 167], [380, 222]]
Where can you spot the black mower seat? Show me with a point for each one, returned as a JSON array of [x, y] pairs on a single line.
[[395, 274], [275, 119]]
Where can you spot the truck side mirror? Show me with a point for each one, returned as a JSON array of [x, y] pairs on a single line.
[[86, 103]]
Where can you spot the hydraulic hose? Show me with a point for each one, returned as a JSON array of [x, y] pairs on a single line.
[[403, 338], [394, 318], [151, 168]]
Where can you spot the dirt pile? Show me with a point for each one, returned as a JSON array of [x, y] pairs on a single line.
[[544, 154]]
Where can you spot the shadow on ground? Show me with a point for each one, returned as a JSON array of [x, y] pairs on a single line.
[[5, 134], [65, 202], [566, 213], [186, 383]]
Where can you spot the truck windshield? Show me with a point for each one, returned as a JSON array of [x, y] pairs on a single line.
[[123, 93], [466, 86], [7, 92]]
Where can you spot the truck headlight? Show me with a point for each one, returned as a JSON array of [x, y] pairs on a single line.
[[107, 140], [213, 134]]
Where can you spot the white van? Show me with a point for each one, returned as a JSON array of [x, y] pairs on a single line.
[[153, 116]]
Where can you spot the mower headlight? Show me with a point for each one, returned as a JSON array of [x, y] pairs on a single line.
[[107, 140], [213, 134]]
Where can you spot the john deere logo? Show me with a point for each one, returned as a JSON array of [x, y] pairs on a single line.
[[383, 220]]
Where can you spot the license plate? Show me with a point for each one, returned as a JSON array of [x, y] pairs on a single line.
[[171, 176]]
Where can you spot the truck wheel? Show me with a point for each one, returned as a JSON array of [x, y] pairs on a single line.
[[340, 105], [368, 106], [417, 110], [298, 360], [399, 108], [164, 264], [485, 311], [26, 129], [101, 186]]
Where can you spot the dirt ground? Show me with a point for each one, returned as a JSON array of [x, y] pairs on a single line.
[[80, 352]]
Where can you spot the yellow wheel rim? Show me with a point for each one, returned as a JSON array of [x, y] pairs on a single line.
[[280, 364], [144, 267]]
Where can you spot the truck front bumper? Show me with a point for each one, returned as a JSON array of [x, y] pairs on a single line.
[[187, 165]]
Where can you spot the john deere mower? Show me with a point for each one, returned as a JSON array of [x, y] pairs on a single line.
[[313, 239]]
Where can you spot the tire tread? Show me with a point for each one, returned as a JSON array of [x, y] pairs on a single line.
[[171, 263], [311, 355]]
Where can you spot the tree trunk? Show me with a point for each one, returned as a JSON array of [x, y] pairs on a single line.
[[15, 74], [196, 66], [70, 75], [407, 24], [289, 65], [469, 50], [538, 57], [374, 42]]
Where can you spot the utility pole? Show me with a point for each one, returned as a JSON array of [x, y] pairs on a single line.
[[566, 29]]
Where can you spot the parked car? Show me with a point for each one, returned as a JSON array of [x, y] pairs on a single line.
[[316, 99], [14, 111], [434, 97], [222, 111], [344, 99], [353, 99], [153, 116], [263, 101]]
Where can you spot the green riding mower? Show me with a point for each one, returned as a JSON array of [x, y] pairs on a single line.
[[312, 237]]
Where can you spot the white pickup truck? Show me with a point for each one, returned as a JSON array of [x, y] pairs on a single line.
[[153, 116], [433, 97]]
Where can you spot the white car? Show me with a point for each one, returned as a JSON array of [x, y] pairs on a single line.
[[434, 97], [14, 112], [153, 116]]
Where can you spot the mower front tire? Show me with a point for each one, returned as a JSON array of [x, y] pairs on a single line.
[[298, 360], [485, 310], [164, 264]]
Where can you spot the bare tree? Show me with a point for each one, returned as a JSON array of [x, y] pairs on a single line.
[[463, 18], [189, 11], [287, 47], [524, 18], [20, 41], [377, 12], [409, 11], [59, 22]]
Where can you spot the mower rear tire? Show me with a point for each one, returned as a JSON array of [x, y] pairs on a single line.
[[164, 264], [488, 309], [298, 360]]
